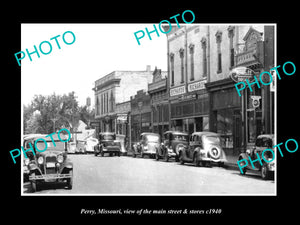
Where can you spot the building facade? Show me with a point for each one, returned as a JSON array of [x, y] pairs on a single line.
[[202, 95], [159, 102], [188, 72], [140, 114], [115, 88]]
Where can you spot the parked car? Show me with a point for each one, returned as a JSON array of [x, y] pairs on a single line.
[[147, 145], [262, 142], [107, 144], [121, 139], [204, 148], [26, 140], [173, 142], [90, 144], [52, 165], [81, 147], [71, 148]]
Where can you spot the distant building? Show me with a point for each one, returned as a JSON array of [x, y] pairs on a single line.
[[140, 114], [116, 87], [159, 102]]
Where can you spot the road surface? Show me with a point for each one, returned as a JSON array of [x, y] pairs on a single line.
[[143, 176]]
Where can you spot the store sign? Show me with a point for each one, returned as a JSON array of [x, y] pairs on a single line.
[[177, 91], [255, 101], [196, 86], [122, 118], [241, 74]]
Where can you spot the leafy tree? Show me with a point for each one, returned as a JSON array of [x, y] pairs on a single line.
[[45, 112]]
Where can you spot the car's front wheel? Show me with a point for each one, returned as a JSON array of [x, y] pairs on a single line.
[[265, 173], [70, 180], [181, 158], [34, 183]]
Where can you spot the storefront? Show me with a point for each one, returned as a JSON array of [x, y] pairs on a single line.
[[226, 114], [189, 113]]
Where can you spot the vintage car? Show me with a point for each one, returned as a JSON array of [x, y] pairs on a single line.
[[147, 145], [71, 148], [81, 147], [122, 139], [173, 142], [90, 144], [262, 142], [204, 148], [107, 144], [51, 165], [26, 139]]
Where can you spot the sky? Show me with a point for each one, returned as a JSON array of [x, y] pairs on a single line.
[[98, 50]]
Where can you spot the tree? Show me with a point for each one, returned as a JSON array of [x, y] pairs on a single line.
[[64, 109]]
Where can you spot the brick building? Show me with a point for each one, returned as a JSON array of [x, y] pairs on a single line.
[[114, 88]]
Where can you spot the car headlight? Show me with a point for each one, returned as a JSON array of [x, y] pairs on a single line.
[[26, 161], [40, 160], [60, 158]]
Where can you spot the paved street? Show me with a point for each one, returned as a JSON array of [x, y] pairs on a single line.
[[127, 175]]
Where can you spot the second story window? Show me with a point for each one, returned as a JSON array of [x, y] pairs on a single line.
[[192, 46], [231, 49], [204, 57], [181, 54], [172, 68], [219, 58]]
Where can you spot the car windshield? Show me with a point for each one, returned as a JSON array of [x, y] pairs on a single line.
[[60, 146], [264, 142], [212, 139], [107, 137], [180, 137], [152, 138]]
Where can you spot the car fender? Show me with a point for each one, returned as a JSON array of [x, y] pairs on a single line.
[[34, 167], [68, 165], [245, 156]]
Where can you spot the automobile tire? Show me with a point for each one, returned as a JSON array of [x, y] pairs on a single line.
[[156, 156], [265, 173], [181, 158], [176, 158], [166, 157], [196, 162], [34, 184], [70, 180], [244, 170]]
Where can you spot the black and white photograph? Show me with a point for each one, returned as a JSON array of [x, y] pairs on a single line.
[[131, 112], [148, 109]]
